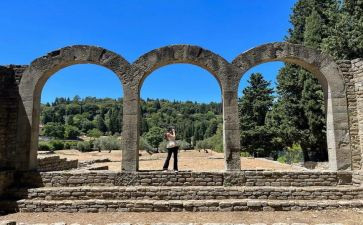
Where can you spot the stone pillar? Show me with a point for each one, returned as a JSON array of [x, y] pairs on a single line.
[[338, 140], [10, 155], [130, 129], [231, 133], [8, 117], [357, 71], [349, 78]]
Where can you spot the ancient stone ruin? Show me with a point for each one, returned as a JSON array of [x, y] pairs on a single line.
[[24, 188]]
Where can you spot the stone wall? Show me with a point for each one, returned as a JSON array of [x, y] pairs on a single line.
[[357, 177], [196, 193], [8, 116], [243, 178], [357, 73], [9, 96], [95, 206], [55, 163], [349, 78]]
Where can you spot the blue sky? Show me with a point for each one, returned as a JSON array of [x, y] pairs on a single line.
[[131, 28]]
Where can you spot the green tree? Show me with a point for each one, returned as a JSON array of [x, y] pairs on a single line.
[[100, 123], [154, 136], [94, 133], [345, 40], [113, 121], [189, 118], [314, 139], [47, 115], [298, 116], [69, 120], [87, 125], [313, 30], [71, 132], [255, 103], [55, 130]]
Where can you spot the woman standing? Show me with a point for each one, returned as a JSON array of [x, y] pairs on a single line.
[[172, 148]]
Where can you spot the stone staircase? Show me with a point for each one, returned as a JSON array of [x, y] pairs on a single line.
[[102, 191]]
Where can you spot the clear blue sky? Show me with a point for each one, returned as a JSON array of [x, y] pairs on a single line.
[[131, 28]]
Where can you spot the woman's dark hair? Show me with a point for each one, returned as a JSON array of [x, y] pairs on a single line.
[[169, 130]]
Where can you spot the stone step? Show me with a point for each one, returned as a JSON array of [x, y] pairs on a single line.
[[196, 193], [185, 178], [182, 205]]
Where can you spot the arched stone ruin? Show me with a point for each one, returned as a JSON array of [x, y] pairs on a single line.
[[20, 90], [22, 152]]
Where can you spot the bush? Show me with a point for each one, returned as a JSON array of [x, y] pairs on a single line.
[[183, 145], [203, 144], [144, 145], [245, 154], [55, 130], [215, 142], [154, 136], [107, 143], [71, 132], [84, 146], [291, 155], [70, 145], [95, 133], [44, 146], [57, 145]]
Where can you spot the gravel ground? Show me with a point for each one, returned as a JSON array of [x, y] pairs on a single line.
[[188, 160], [346, 217]]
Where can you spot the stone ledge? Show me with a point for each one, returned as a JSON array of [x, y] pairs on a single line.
[[185, 178], [55, 163], [182, 205], [196, 193]]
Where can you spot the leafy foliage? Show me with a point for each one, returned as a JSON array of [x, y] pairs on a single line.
[[44, 146], [193, 121], [71, 132], [107, 143], [57, 145], [84, 146], [291, 155], [53, 129], [95, 133], [154, 136], [254, 105]]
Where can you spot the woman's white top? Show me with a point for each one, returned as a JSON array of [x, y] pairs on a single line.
[[171, 141]]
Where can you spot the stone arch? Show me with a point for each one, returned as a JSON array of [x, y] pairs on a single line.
[[222, 70], [33, 81], [331, 79], [188, 54]]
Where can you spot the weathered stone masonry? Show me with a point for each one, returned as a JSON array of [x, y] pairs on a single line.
[[9, 97], [20, 104], [243, 178], [346, 70], [55, 163]]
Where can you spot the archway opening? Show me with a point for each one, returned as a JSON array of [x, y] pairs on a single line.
[[81, 119], [187, 98], [282, 113]]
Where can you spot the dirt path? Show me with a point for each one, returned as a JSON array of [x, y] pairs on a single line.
[[188, 160], [346, 217]]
